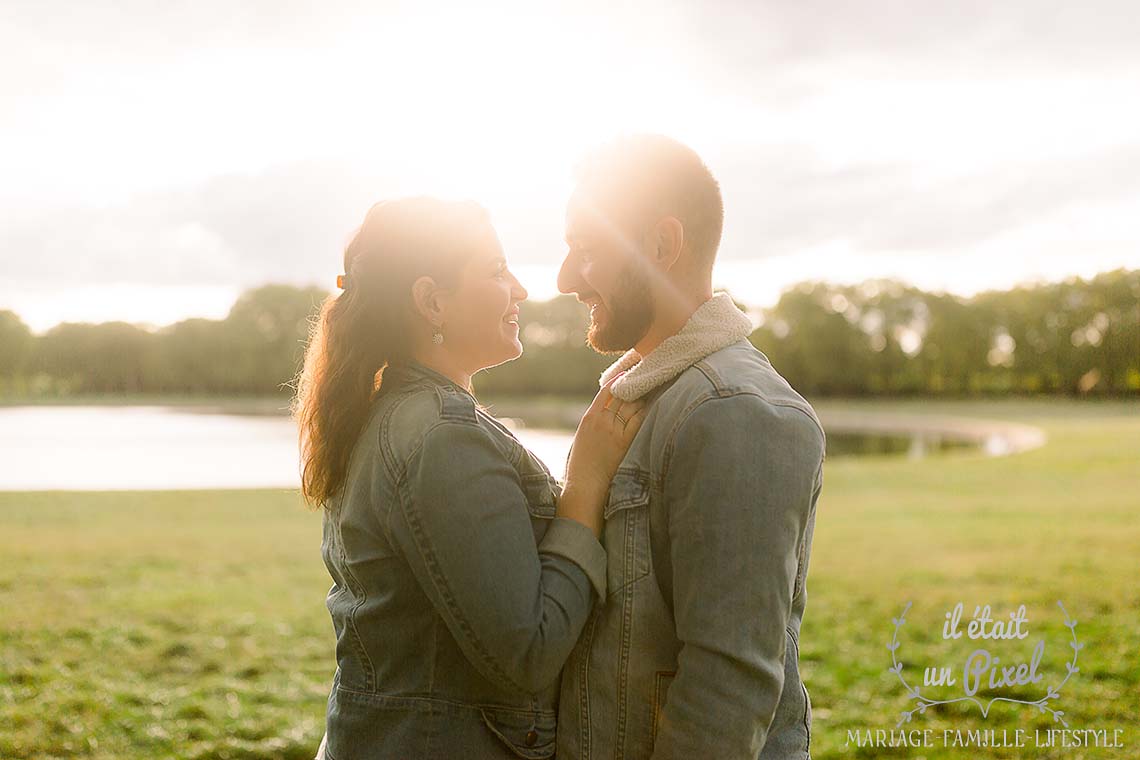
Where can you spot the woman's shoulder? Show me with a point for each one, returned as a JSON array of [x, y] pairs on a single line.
[[410, 415]]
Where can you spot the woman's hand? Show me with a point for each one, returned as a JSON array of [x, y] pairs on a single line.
[[603, 436]]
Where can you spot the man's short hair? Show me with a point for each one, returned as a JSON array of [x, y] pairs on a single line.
[[652, 176]]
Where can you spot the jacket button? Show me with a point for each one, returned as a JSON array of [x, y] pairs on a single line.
[[531, 738]]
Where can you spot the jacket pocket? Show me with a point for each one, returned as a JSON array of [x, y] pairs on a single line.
[[625, 535], [661, 681], [539, 495], [528, 734]]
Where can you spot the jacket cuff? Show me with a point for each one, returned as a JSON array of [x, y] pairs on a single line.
[[577, 543]]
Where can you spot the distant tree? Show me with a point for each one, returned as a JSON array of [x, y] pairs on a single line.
[[879, 337], [264, 337], [190, 357], [105, 358], [883, 337], [809, 334], [15, 345]]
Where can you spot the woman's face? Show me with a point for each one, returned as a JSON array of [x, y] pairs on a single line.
[[481, 328]]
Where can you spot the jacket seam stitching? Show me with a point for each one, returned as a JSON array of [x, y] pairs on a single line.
[[357, 641], [454, 703], [629, 551], [584, 689], [803, 686]]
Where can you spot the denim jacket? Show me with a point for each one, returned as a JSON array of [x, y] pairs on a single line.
[[709, 522], [457, 594]]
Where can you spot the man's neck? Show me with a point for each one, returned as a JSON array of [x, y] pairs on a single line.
[[673, 312]]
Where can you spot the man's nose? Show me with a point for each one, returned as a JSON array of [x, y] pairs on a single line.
[[568, 275]]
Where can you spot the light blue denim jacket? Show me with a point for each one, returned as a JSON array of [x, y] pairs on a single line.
[[451, 626], [694, 653]]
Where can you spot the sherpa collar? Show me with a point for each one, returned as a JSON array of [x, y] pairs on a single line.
[[717, 323]]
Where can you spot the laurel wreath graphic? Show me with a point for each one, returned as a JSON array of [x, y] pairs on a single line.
[[923, 702]]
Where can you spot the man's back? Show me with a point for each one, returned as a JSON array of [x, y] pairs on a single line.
[[694, 653]]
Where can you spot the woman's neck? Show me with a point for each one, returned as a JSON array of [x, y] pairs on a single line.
[[437, 360]]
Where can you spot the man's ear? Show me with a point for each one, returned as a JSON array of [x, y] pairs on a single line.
[[428, 301], [668, 238]]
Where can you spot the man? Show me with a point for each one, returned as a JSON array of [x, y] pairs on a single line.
[[709, 522]]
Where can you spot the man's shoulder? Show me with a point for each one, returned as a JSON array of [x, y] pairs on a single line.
[[740, 377], [733, 405]]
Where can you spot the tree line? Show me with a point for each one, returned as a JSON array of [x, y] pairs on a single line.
[[877, 338]]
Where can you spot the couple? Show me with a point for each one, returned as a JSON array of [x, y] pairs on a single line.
[[647, 607]]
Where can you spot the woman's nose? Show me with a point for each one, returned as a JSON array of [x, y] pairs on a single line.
[[518, 292]]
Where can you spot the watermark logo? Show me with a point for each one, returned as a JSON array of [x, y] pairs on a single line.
[[983, 670], [982, 657]]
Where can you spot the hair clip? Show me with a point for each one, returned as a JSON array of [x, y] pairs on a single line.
[[342, 281]]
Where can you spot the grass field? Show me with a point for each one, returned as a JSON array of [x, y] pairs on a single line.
[[192, 625]]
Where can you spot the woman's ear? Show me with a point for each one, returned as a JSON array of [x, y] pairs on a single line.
[[428, 301]]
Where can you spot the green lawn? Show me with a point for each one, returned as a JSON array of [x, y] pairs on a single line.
[[192, 624]]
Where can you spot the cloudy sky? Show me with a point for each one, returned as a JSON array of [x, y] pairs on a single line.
[[158, 158]]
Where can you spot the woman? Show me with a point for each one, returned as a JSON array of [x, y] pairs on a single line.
[[462, 573]]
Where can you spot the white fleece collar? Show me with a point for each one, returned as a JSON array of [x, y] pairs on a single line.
[[717, 323]]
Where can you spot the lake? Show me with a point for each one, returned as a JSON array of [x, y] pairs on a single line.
[[158, 447], [178, 447]]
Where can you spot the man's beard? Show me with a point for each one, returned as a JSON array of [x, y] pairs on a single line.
[[630, 314]]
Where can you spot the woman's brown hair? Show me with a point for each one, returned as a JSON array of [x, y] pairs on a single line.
[[368, 326]]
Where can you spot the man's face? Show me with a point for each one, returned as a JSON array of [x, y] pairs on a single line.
[[606, 270]]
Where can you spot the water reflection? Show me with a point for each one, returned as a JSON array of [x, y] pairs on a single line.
[[158, 447], [913, 446], [143, 447], [94, 448]]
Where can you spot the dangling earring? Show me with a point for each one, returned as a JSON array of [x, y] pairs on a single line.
[[437, 336]]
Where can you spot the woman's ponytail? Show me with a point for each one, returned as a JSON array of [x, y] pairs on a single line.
[[335, 389], [366, 326]]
